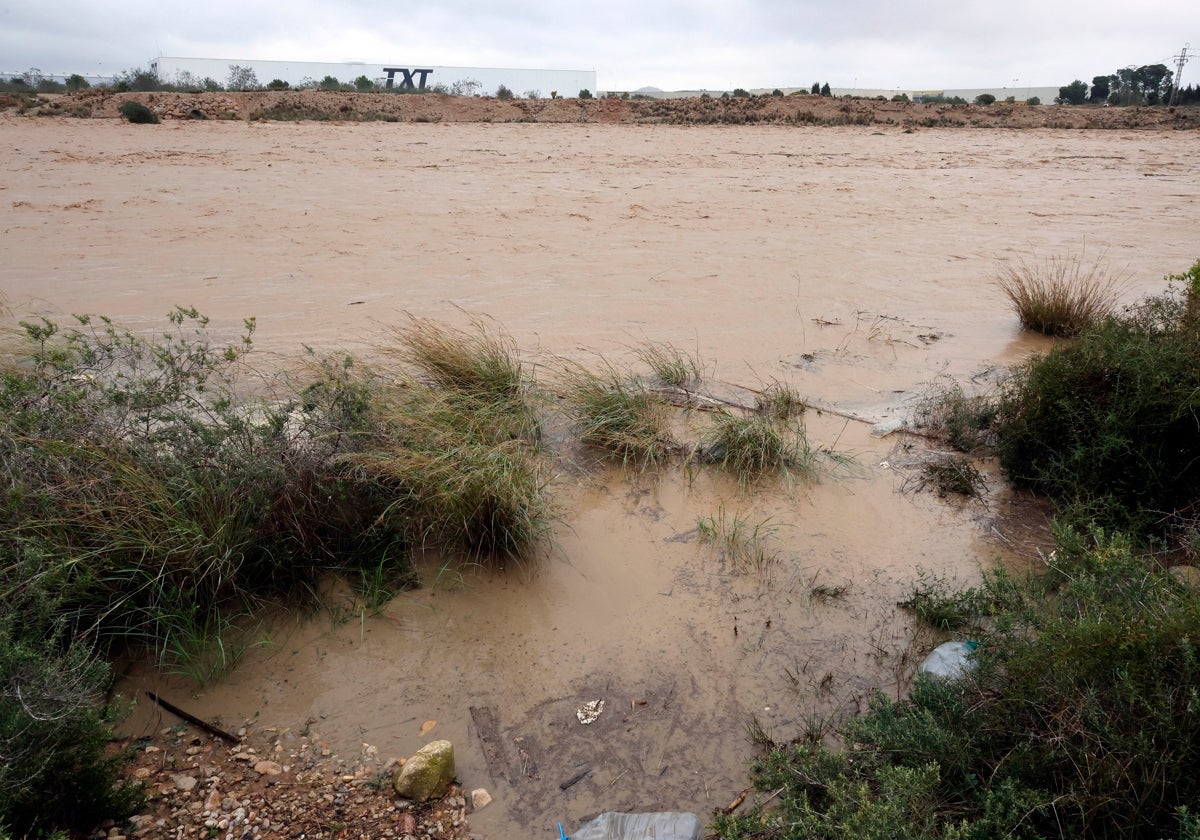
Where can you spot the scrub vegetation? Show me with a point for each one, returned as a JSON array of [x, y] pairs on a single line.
[[161, 491], [1079, 715]]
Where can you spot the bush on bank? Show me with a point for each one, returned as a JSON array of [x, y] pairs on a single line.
[[1081, 719]]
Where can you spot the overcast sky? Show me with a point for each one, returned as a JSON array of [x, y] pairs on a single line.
[[669, 44]]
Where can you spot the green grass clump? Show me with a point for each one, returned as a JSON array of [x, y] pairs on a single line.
[[1081, 719], [136, 112], [739, 542], [671, 366], [1109, 424], [458, 482], [751, 446], [481, 367], [1061, 295], [780, 402], [616, 414]]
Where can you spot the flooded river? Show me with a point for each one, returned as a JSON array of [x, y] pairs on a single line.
[[853, 264]]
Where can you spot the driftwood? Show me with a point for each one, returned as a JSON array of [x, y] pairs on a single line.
[[192, 719]]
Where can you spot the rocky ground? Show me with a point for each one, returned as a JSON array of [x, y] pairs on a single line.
[[277, 783], [771, 110]]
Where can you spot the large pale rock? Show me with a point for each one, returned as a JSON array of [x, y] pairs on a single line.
[[428, 774], [1188, 576]]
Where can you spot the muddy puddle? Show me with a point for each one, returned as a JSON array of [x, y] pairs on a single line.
[[852, 264]]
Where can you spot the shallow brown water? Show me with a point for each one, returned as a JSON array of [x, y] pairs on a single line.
[[851, 263]]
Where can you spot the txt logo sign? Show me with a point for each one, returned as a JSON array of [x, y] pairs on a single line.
[[406, 81]]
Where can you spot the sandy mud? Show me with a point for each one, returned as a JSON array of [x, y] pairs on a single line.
[[851, 263]]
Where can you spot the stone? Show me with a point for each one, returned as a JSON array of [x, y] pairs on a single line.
[[428, 774], [185, 783], [268, 768], [480, 798], [1187, 576], [213, 801]]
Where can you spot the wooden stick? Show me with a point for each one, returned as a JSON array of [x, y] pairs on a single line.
[[192, 719], [576, 779]]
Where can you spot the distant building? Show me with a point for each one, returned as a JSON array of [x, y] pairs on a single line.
[[397, 75]]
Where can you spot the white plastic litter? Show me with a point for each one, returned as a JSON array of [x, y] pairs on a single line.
[[667, 825], [950, 660], [588, 712]]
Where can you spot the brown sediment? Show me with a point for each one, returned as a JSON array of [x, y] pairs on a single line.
[[853, 264]]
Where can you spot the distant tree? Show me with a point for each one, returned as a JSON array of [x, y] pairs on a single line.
[[1033, 100], [241, 78], [77, 82], [330, 83], [1010, 100], [210, 84], [1149, 84], [1101, 86], [741, 92], [900, 97], [825, 91], [777, 92], [537, 94], [466, 87], [585, 94], [363, 84], [816, 89], [277, 84], [984, 99], [503, 93], [137, 79], [1073, 94]]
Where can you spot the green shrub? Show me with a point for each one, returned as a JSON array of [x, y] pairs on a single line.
[[161, 502], [56, 772], [985, 99], [1110, 424], [136, 112], [1081, 719], [583, 94], [503, 93], [1034, 100]]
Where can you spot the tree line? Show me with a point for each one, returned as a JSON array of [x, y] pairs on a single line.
[[1150, 84]]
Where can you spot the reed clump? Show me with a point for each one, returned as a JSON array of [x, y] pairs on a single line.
[[751, 446], [1061, 295], [617, 415]]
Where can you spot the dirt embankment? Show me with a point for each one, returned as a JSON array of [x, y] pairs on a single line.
[[771, 110]]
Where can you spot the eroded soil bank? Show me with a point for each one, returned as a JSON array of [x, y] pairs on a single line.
[[852, 263]]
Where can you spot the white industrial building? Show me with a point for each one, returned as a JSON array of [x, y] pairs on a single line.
[[397, 75]]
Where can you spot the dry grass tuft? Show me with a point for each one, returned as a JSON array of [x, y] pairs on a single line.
[[1061, 295]]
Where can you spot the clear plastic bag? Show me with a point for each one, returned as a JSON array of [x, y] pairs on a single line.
[[950, 660], [667, 825]]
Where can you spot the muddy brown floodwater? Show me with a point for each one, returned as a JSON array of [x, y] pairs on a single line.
[[852, 263]]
